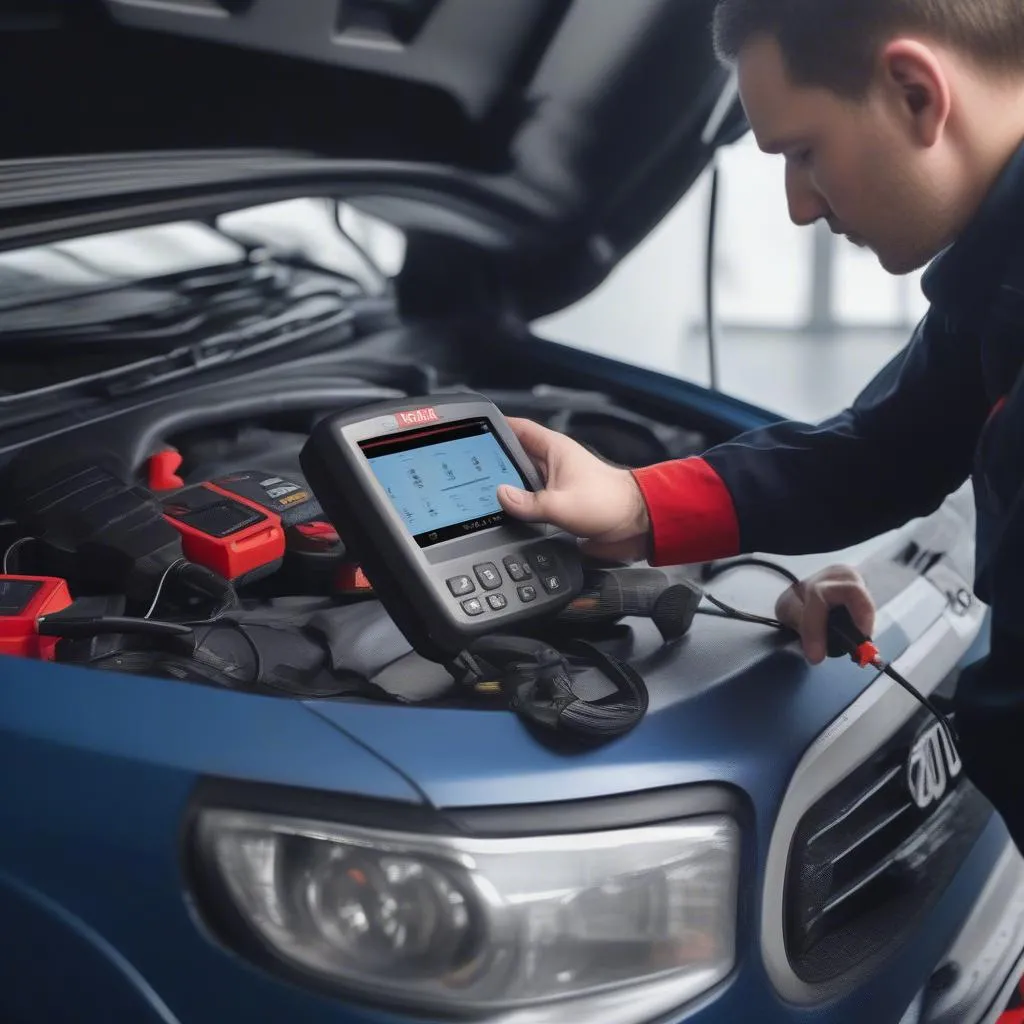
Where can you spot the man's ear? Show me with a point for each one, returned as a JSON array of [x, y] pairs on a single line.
[[915, 79]]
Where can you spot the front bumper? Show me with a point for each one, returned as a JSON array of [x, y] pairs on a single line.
[[981, 969]]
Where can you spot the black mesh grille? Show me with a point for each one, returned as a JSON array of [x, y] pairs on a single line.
[[867, 861]]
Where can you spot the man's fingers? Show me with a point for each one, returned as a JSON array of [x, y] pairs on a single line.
[[545, 506], [814, 626], [528, 506], [805, 607], [535, 438], [789, 608], [855, 597]]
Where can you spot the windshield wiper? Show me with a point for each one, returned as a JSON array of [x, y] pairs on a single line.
[[316, 322], [233, 346], [163, 312]]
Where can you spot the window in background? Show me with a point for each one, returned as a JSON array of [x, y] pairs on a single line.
[[365, 248], [647, 309], [383, 243], [763, 265], [805, 319], [866, 296]]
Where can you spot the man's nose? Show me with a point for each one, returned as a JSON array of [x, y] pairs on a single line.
[[806, 204]]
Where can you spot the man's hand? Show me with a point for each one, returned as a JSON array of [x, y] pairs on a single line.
[[582, 495], [805, 607]]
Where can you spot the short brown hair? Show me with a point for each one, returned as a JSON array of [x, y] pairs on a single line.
[[834, 43]]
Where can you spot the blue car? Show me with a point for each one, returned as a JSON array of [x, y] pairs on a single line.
[[221, 220]]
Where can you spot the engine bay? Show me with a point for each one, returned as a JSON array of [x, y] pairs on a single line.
[[192, 548]]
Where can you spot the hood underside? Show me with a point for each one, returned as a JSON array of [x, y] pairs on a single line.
[[591, 117]]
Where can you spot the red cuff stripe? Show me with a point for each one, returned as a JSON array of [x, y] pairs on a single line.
[[693, 518]]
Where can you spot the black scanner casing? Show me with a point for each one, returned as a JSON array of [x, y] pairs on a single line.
[[409, 580]]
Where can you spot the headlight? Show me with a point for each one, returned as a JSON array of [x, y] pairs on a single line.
[[633, 922]]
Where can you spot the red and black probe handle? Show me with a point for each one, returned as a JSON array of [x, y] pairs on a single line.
[[844, 638]]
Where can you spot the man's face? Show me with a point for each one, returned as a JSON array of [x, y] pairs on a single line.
[[854, 164]]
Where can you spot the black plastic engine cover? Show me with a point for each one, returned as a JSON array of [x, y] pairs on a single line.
[[91, 524]]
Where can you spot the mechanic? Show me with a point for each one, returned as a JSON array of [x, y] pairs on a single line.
[[902, 125]]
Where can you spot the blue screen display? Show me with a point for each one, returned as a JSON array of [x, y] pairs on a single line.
[[443, 482]]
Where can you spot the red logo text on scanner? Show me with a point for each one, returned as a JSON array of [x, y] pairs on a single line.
[[417, 417]]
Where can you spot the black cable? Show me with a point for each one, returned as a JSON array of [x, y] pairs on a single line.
[[239, 628], [613, 715], [710, 316], [84, 627], [385, 283], [258, 672], [160, 586], [844, 637], [716, 569], [540, 678], [204, 583], [948, 727], [17, 545], [849, 636], [257, 675], [735, 613]]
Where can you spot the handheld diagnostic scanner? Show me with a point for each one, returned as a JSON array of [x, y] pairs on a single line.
[[412, 487]]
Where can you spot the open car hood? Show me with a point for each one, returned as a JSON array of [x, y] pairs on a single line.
[[568, 127]]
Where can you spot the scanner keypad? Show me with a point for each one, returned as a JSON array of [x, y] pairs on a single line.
[[518, 579]]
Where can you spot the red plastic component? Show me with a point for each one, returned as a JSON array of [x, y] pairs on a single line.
[[1014, 1012], [318, 531], [163, 471], [867, 654], [350, 579], [18, 635], [237, 554]]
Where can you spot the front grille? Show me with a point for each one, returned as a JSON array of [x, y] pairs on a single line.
[[868, 860]]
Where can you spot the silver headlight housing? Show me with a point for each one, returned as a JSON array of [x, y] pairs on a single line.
[[629, 923]]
